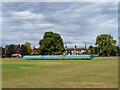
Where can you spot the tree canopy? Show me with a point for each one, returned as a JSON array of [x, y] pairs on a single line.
[[24, 50], [28, 45], [106, 44], [51, 43], [10, 51], [94, 50]]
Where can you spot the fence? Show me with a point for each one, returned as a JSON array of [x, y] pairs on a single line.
[[58, 57]]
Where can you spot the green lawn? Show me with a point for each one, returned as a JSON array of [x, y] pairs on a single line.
[[101, 72]]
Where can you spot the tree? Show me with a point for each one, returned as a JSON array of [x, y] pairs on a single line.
[[24, 50], [69, 52], [51, 43], [105, 43], [96, 50], [113, 50], [28, 45], [3, 51], [86, 52], [92, 49], [10, 51]]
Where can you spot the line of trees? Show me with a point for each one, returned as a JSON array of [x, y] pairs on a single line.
[[52, 43]]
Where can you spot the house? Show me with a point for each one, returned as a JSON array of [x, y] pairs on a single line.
[[35, 51], [16, 47], [74, 51]]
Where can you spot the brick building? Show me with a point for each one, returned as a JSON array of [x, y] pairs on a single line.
[[35, 51], [74, 51], [16, 47]]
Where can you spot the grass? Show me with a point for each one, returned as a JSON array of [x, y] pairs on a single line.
[[101, 72]]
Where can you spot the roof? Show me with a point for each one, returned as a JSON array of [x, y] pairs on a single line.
[[75, 49], [15, 46], [36, 49]]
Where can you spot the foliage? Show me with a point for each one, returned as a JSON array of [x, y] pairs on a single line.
[[10, 51], [106, 43], [94, 50], [118, 49], [69, 52], [3, 51], [51, 43], [24, 50], [86, 51], [28, 45], [113, 50], [90, 47]]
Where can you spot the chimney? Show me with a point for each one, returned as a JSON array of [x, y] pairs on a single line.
[[75, 46], [85, 47]]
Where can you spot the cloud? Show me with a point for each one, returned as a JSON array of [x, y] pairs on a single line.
[[27, 15], [77, 23]]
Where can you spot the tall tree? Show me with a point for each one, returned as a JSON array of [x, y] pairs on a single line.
[[24, 50], [28, 45], [51, 43], [105, 42], [10, 51], [3, 51]]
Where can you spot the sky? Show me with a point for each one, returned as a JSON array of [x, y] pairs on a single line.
[[77, 22]]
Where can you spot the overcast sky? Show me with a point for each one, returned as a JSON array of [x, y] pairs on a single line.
[[77, 23]]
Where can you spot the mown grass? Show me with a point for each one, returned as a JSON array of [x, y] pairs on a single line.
[[101, 72]]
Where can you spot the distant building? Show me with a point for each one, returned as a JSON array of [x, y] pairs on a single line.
[[74, 51], [35, 51], [17, 48]]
